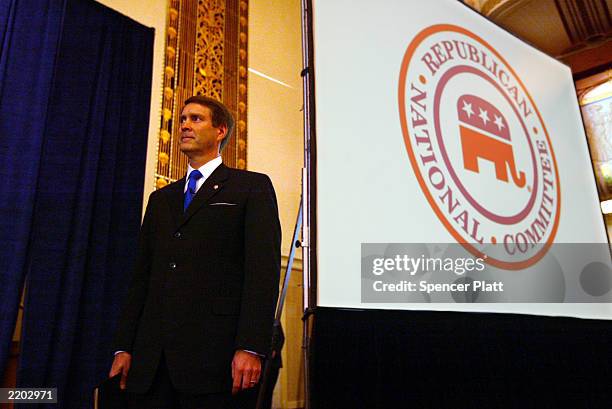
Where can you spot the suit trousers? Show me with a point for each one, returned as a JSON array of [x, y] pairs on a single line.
[[163, 395]]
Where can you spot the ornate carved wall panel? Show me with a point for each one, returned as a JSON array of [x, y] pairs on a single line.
[[206, 54], [209, 48]]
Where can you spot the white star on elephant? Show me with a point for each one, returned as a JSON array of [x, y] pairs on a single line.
[[498, 121], [483, 115], [468, 109]]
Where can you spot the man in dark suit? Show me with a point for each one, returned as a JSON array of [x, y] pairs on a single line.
[[199, 311]]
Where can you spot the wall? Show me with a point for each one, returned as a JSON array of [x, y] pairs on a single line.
[[275, 147], [275, 134]]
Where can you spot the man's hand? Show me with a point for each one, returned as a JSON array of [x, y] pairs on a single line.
[[246, 368], [121, 364]]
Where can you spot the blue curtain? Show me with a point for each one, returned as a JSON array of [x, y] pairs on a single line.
[[86, 182], [25, 87]]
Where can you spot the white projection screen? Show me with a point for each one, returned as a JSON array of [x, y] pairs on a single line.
[[441, 138]]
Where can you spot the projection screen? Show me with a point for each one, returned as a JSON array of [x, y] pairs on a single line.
[[452, 169]]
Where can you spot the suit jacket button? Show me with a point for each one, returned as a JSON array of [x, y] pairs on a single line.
[[172, 265], [177, 235]]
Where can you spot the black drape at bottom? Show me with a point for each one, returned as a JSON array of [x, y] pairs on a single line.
[[422, 359], [88, 198]]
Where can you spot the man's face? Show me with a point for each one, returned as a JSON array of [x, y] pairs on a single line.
[[198, 135]]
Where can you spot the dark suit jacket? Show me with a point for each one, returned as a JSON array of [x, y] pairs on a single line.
[[205, 282]]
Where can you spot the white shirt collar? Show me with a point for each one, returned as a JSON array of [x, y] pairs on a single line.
[[206, 170]]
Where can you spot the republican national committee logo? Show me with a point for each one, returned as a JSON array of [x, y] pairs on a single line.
[[479, 147]]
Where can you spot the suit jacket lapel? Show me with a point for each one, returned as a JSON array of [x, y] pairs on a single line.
[[211, 187], [175, 197]]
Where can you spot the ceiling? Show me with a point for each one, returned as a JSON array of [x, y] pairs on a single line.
[[578, 32]]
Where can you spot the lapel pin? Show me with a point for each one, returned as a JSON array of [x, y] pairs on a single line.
[[216, 187]]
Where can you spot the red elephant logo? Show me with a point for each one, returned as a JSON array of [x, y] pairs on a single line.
[[485, 134]]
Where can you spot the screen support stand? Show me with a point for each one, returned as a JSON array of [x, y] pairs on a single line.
[[273, 362]]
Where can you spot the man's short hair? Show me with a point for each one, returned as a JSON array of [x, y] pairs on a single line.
[[220, 114]]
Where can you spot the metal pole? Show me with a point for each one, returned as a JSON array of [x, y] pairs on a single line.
[[306, 173]]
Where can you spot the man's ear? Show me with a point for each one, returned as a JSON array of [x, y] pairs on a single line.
[[221, 132]]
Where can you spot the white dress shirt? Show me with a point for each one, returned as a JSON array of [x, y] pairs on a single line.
[[206, 170]]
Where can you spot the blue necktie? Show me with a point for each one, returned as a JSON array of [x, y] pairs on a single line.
[[191, 188]]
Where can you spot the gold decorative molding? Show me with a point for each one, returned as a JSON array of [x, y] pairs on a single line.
[[209, 49], [487, 6], [206, 54], [498, 9], [235, 78], [475, 4], [162, 168]]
